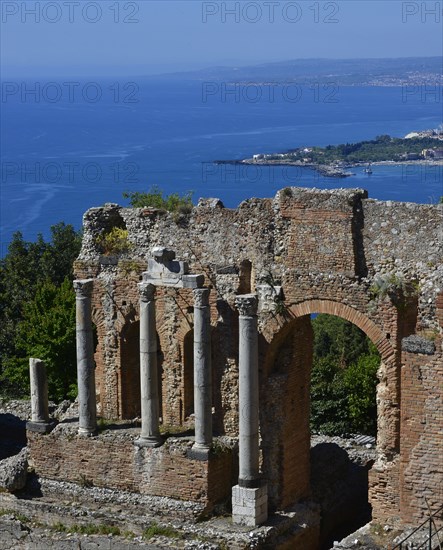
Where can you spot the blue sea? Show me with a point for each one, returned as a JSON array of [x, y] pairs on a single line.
[[69, 146]]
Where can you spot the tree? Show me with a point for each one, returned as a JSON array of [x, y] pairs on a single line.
[[360, 381], [46, 331], [344, 378], [336, 337], [328, 397], [23, 271], [58, 257]]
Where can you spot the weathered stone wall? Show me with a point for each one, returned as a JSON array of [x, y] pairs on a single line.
[[112, 460], [421, 463], [377, 264], [406, 239], [284, 408]]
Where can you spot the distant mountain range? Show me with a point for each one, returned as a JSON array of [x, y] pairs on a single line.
[[344, 72]]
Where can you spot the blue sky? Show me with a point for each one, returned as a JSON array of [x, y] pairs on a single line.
[[143, 37]]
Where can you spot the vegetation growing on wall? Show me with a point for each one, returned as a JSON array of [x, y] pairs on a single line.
[[344, 378], [114, 241], [155, 198]]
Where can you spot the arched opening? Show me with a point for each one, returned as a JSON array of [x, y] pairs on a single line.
[[188, 375], [344, 378], [293, 471], [343, 425], [130, 371], [187, 401], [245, 275]]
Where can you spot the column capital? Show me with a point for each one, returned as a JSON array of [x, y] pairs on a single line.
[[83, 287], [147, 291], [201, 297], [246, 304]]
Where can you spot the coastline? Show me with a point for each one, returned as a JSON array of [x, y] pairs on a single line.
[[332, 170], [402, 162]]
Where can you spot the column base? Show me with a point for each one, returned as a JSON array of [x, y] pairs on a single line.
[[199, 452], [41, 427], [148, 442], [85, 432], [249, 506]]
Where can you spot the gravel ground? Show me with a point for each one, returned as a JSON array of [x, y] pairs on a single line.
[[71, 505]]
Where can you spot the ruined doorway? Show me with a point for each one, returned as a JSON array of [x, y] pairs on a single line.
[[285, 411], [130, 371], [187, 400], [343, 425], [188, 375]]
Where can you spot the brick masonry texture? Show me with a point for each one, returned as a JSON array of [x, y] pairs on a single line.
[[376, 264], [112, 460]]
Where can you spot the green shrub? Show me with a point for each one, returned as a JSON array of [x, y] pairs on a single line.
[[46, 331], [87, 529], [114, 241], [37, 309], [182, 204], [157, 530]]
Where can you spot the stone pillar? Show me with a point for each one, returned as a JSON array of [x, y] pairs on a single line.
[[39, 397], [202, 371], [87, 406], [249, 497], [150, 433]]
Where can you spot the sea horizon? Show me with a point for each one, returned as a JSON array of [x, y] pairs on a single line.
[[63, 157]]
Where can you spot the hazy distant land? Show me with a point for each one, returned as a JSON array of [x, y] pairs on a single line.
[[409, 71]]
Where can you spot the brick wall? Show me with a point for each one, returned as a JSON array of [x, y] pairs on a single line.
[[384, 490], [326, 249], [111, 460], [284, 413], [321, 238], [421, 465]]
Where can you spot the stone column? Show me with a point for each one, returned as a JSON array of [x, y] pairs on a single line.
[[150, 433], [249, 497], [248, 390], [39, 397], [202, 371], [87, 406]]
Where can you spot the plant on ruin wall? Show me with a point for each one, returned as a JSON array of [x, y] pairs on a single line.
[[179, 205], [392, 285], [114, 242]]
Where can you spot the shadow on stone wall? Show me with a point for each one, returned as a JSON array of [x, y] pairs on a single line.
[[340, 487]]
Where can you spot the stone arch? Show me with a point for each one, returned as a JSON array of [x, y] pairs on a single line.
[[388, 389], [364, 323], [285, 396]]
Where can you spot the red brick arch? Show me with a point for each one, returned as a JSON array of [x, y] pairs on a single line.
[[285, 379], [373, 331]]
